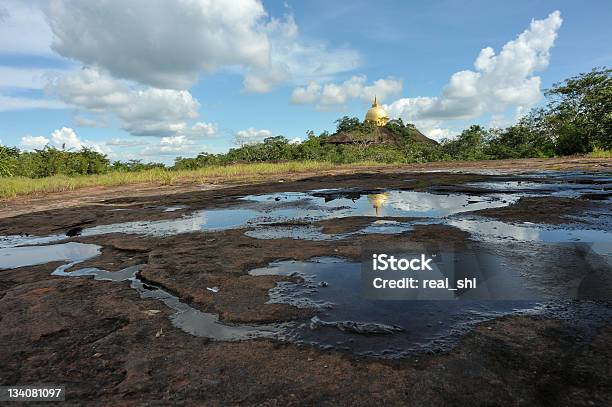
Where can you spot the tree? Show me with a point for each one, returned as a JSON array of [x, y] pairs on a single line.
[[581, 107], [469, 145], [347, 124]]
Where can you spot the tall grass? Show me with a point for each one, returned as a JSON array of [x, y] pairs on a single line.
[[600, 153], [16, 186]]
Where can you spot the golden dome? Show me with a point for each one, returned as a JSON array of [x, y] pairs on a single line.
[[376, 114]]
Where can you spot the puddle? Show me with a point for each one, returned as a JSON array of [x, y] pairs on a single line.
[[343, 203], [201, 220], [347, 321], [495, 231], [393, 329], [263, 210], [14, 257], [186, 318], [562, 188]]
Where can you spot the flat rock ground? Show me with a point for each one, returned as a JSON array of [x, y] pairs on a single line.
[[102, 340]]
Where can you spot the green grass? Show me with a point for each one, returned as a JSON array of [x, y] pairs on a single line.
[[599, 153], [11, 187]]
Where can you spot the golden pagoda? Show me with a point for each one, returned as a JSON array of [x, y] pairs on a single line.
[[376, 114]]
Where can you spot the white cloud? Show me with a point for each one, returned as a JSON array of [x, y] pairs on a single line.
[[174, 146], [33, 142], [22, 103], [67, 138], [293, 60], [64, 138], [201, 129], [251, 135], [334, 96], [499, 82], [142, 112], [170, 43], [437, 133], [23, 29]]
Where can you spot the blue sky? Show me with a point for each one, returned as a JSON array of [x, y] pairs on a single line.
[[154, 80]]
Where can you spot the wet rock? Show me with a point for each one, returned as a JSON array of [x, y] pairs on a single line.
[[76, 231], [356, 327]]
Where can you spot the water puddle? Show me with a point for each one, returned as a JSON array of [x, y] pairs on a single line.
[[347, 321], [498, 232], [14, 257], [343, 203], [264, 210], [562, 188], [185, 317]]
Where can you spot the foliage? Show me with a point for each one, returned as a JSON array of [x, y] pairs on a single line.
[[576, 120], [51, 161], [580, 111]]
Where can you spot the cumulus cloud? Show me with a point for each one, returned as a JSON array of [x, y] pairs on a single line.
[[437, 133], [64, 138], [164, 43], [334, 96], [29, 142], [294, 60], [142, 112], [168, 44], [251, 136], [500, 81], [201, 129], [174, 146]]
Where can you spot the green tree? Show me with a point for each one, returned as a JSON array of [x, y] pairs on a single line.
[[581, 108], [471, 144]]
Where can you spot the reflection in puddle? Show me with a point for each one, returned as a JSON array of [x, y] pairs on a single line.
[[336, 204], [267, 209], [496, 231], [14, 257], [296, 206]]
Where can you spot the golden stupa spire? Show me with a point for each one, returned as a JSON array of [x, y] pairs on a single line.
[[376, 114]]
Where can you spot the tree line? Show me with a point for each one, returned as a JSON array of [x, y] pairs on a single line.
[[576, 119]]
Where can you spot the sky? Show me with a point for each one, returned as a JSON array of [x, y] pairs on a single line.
[[136, 79]]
